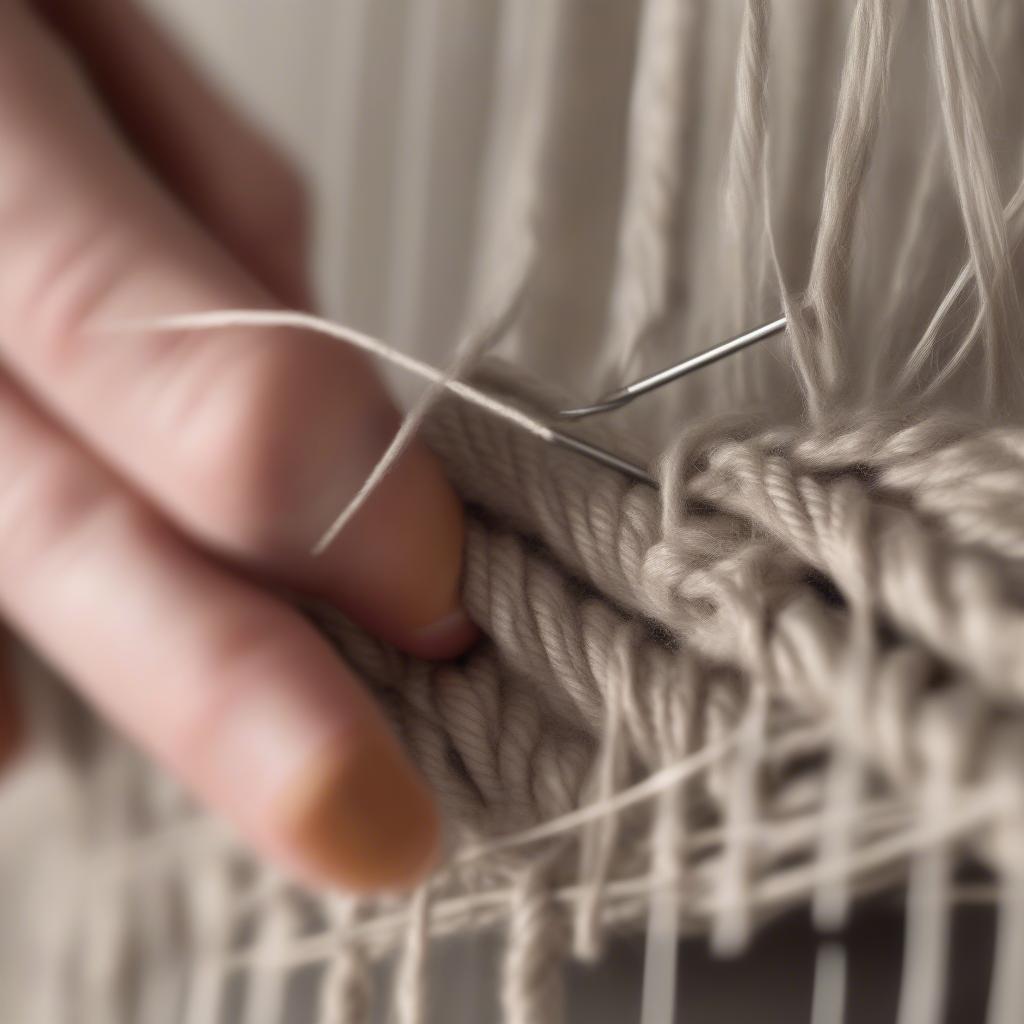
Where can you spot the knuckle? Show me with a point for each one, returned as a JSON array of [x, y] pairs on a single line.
[[63, 287], [40, 503], [50, 511]]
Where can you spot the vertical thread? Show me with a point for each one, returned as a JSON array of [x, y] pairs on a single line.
[[532, 985], [742, 243], [861, 91], [411, 992], [666, 65], [346, 985], [957, 48]]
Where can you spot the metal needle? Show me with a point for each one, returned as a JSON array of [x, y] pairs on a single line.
[[601, 455], [622, 396]]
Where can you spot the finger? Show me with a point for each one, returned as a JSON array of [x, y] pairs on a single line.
[[219, 165], [251, 441], [233, 690]]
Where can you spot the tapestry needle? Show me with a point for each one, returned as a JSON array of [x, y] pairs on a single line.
[[380, 349], [625, 395], [601, 455]]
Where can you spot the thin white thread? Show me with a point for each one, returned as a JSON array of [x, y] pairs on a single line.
[[926, 947], [643, 284], [770, 891], [829, 994], [256, 318], [658, 997], [956, 294], [266, 992], [411, 987], [956, 46], [1006, 992], [650, 787]]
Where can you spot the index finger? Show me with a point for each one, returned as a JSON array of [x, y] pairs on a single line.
[[251, 443]]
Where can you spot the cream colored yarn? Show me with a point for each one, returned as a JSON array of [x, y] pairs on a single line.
[[794, 673], [603, 602]]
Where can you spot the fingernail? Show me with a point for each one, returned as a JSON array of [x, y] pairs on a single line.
[[362, 819], [398, 571], [439, 625], [450, 635]]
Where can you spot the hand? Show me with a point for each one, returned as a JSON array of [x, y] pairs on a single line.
[[139, 470]]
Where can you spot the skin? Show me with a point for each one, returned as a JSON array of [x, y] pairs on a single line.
[[160, 488]]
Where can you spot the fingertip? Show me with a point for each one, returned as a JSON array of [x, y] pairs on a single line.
[[436, 625], [360, 818], [398, 571], [448, 637]]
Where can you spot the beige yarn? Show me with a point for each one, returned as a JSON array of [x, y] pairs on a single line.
[[729, 596], [793, 674]]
